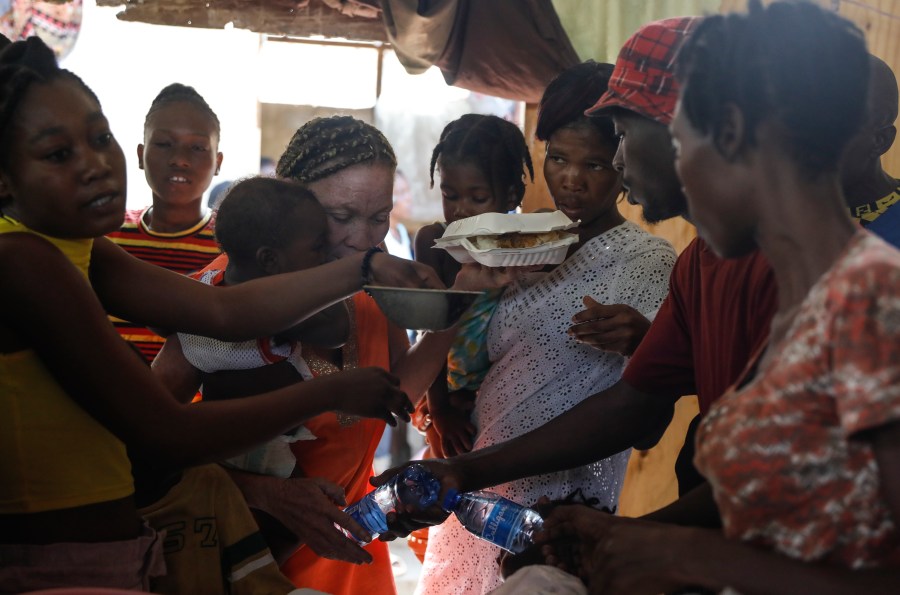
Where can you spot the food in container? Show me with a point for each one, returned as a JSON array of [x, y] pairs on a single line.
[[496, 239], [517, 240], [500, 223]]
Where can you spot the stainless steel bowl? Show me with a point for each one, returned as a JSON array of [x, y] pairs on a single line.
[[422, 309]]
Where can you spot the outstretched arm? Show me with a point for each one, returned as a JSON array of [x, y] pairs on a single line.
[[637, 556], [71, 334], [420, 364], [149, 295], [309, 508], [600, 426]]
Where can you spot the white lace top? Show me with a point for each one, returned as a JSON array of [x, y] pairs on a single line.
[[538, 372]]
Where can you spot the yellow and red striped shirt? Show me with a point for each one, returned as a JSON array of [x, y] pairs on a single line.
[[182, 252]]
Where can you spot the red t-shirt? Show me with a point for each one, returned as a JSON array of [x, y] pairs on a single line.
[[715, 317]]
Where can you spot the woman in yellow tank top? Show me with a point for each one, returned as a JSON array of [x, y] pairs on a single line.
[[72, 394]]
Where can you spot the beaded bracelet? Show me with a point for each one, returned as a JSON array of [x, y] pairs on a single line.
[[366, 269]]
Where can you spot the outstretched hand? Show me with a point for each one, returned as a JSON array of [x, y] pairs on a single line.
[[456, 431], [569, 536], [403, 522], [310, 510], [620, 555], [370, 392], [476, 277], [392, 271], [614, 327]]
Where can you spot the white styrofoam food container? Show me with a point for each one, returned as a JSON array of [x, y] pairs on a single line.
[[550, 253], [499, 223], [456, 239]]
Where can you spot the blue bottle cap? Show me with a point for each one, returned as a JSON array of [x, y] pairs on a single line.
[[420, 487], [451, 499]]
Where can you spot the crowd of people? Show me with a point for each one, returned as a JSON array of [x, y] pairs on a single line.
[[213, 449]]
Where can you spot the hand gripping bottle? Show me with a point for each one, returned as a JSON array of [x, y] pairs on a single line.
[[414, 485], [494, 518]]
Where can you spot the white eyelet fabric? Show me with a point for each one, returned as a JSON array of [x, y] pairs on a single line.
[[538, 372]]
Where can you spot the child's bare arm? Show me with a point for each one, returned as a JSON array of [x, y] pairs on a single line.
[[457, 433]]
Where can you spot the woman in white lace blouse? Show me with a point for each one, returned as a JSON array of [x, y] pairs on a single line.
[[538, 370]]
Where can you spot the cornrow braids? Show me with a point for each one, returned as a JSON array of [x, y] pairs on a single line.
[[257, 212], [325, 146], [22, 64], [567, 97], [802, 65], [178, 93], [493, 144]]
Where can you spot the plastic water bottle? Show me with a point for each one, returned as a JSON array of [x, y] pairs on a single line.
[[496, 519], [415, 485]]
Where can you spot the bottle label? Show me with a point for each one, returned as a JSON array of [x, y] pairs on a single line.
[[501, 522]]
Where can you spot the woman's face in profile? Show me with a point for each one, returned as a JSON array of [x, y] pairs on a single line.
[[357, 202]]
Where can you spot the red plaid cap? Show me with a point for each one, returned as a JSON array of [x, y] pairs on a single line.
[[643, 79]]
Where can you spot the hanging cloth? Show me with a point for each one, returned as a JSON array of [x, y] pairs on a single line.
[[515, 60]]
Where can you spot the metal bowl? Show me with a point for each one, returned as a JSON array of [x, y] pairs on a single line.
[[422, 309]]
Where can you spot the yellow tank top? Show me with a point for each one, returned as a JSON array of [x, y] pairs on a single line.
[[53, 455]]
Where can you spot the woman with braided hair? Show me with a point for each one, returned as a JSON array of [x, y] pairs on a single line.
[[349, 165]]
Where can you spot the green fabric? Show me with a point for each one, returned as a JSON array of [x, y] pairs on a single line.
[[598, 29]]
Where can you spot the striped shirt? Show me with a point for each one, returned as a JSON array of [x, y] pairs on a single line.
[[182, 252]]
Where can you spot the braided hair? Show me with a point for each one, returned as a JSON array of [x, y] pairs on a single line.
[[178, 93], [804, 66], [325, 146], [568, 96], [257, 212], [496, 146], [23, 64]]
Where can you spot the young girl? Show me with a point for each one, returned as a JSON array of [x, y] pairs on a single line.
[[481, 162], [72, 394], [179, 157]]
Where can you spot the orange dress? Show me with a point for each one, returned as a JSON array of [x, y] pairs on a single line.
[[343, 452]]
